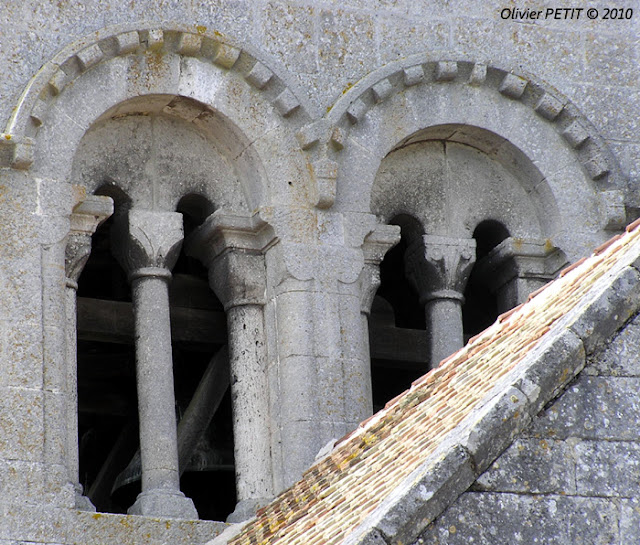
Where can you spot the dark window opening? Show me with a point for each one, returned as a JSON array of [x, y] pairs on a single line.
[[480, 308], [110, 470]]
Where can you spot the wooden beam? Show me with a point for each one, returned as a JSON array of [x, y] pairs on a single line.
[[112, 321]]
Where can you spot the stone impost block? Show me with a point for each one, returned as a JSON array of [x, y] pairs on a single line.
[[549, 107], [223, 230], [413, 75], [478, 74], [226, 56], [424, 495], [238, 278], [259, 76], [604, 315], [512, 86], [286, 103], [189, 44], [575, 134], [144, 239], [90, 56], [446, 70], [382, 90], [127, 42], [439, 264], [357, 111]]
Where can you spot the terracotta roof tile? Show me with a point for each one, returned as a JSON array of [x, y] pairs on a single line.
[[340, 491]]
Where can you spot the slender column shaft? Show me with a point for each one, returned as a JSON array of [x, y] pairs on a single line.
[[250, 402], [444, 317], [154, 372]]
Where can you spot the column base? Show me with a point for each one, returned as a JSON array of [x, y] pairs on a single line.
[[84, 504], [164, 503], [246, 509]]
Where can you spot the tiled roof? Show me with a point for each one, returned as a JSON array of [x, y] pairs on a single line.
[[337, 494]]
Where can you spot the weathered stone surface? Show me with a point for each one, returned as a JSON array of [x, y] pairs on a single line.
[[593, 408], [532, 466], [493, 519], [607, 468], [621, 357]]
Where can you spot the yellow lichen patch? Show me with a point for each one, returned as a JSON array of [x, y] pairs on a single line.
[[201, 29], [7, 136]]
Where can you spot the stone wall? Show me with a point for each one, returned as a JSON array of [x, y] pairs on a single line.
[[572, 477]]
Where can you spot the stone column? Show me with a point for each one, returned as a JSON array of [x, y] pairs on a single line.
[[439, 267], [85, 219], [147, 245], [231, 248], [517, 267]]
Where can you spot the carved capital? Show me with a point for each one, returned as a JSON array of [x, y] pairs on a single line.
[[376, 245], [146, 241], [85, 219], [439, 267]]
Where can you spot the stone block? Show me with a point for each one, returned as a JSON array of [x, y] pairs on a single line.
[[90, 56], [629, 520], [414, 75], [259, 75], [21, 424], [531, 466], [608, 311], [478, 74], [607, 468], [603, 408], [549, 106], [512, 86], [286, 103], [127, 42], [189, 44], [446, 71], [357, 111], [226, 56], [382, 90], [620, 357], [494, 519], [575, 134], [101, 528], [371, 536]]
